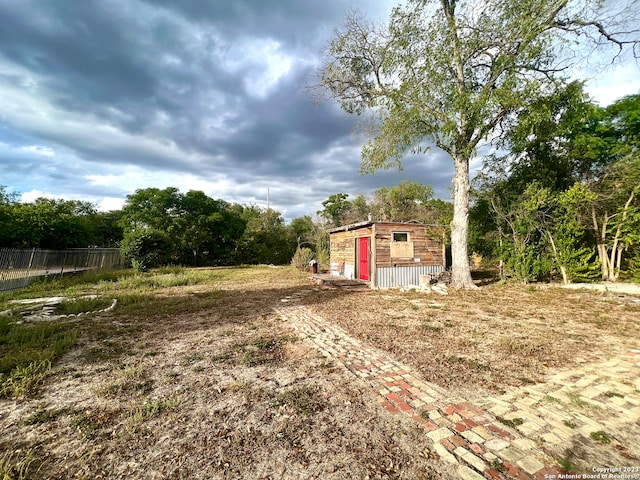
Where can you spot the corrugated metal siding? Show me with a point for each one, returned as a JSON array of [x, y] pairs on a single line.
[[387, 277]]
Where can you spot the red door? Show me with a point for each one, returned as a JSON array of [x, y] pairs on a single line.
[[363, 258]]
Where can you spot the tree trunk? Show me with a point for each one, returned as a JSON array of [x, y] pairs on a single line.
[[460, 270], [563, 270]]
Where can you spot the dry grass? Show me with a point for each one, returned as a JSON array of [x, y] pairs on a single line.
[[194, 376], [200, 379], [484, 341]]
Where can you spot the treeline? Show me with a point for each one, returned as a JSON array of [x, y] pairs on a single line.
[[155, 227], [563, 201], [164, 226], [559, 200]]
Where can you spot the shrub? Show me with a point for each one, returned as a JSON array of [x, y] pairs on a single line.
[[302, 257], [146, 248]]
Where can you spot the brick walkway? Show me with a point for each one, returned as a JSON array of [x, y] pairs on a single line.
[[488, 440]]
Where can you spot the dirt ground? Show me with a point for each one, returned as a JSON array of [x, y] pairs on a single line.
[[209, 383]]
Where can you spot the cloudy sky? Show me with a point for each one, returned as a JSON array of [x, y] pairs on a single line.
[[100, 98]]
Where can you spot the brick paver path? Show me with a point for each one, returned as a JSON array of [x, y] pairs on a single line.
[[493, 439]]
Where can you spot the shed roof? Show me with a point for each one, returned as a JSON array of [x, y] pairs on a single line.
[[355, 226]]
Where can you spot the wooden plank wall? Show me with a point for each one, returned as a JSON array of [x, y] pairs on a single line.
[[343, 244], [427, 245]]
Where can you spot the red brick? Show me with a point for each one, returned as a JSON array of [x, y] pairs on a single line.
[[449, 409], [405, 407], [402, 384], [547, 473], [460, 427], [458, 441], [470, 423], [477, 448], [393, 397], [493, 473], [425, 423], [390, 408], [407, 394], [499, 431], [448, 445]]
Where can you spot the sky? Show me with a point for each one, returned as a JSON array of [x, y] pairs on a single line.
[[101, 98]]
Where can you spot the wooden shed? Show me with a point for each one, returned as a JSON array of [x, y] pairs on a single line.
[[387, 254]]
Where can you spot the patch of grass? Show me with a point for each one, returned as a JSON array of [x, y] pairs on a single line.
[[24, 344], [150, 409], [92, 423], [510, 422], [42, 415], [16, 466], [569, 424], [577, 400], [552, 399], [430, 328], [193, 358], [566, 465], [75, 306], [305, 400], [517, 346], [260, 351], [601, 437], [126, 379], [108, 350]]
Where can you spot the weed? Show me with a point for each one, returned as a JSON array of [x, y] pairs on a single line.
[[567, 465], [13, 467], [148, 410], [22, 381], [498, 465], [430, 328], [510, 422], [305, 400], [75, 306], [601, 437], [42, 415], [577, 400], [552, 399], [191, 359], [520, 347], [569, 424], [30, 349]]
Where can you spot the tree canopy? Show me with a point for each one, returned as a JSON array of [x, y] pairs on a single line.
[[453, 73]]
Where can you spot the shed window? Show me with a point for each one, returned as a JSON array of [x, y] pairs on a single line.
[[400, 236]]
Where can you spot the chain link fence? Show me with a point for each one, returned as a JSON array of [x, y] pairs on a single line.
[[19, 267]]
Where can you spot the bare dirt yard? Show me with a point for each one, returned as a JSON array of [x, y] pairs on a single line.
[[193, 375]]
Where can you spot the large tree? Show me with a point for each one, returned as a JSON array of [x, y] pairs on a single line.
[[452, 73]]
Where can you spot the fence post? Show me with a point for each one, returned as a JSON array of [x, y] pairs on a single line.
[[33, 253]]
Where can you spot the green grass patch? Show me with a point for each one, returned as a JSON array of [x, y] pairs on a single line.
[[305, 400], [601, 437], [74, 306], [510, 422], [27, 352], [17, 466]]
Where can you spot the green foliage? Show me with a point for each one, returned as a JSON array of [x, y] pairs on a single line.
[[17, 466], [446, 72], [82, 305], [27, 351], [146, 248], [335, 208], [266, 240], [302, 258]]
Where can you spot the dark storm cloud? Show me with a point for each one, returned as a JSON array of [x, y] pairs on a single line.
[[211, 90]]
